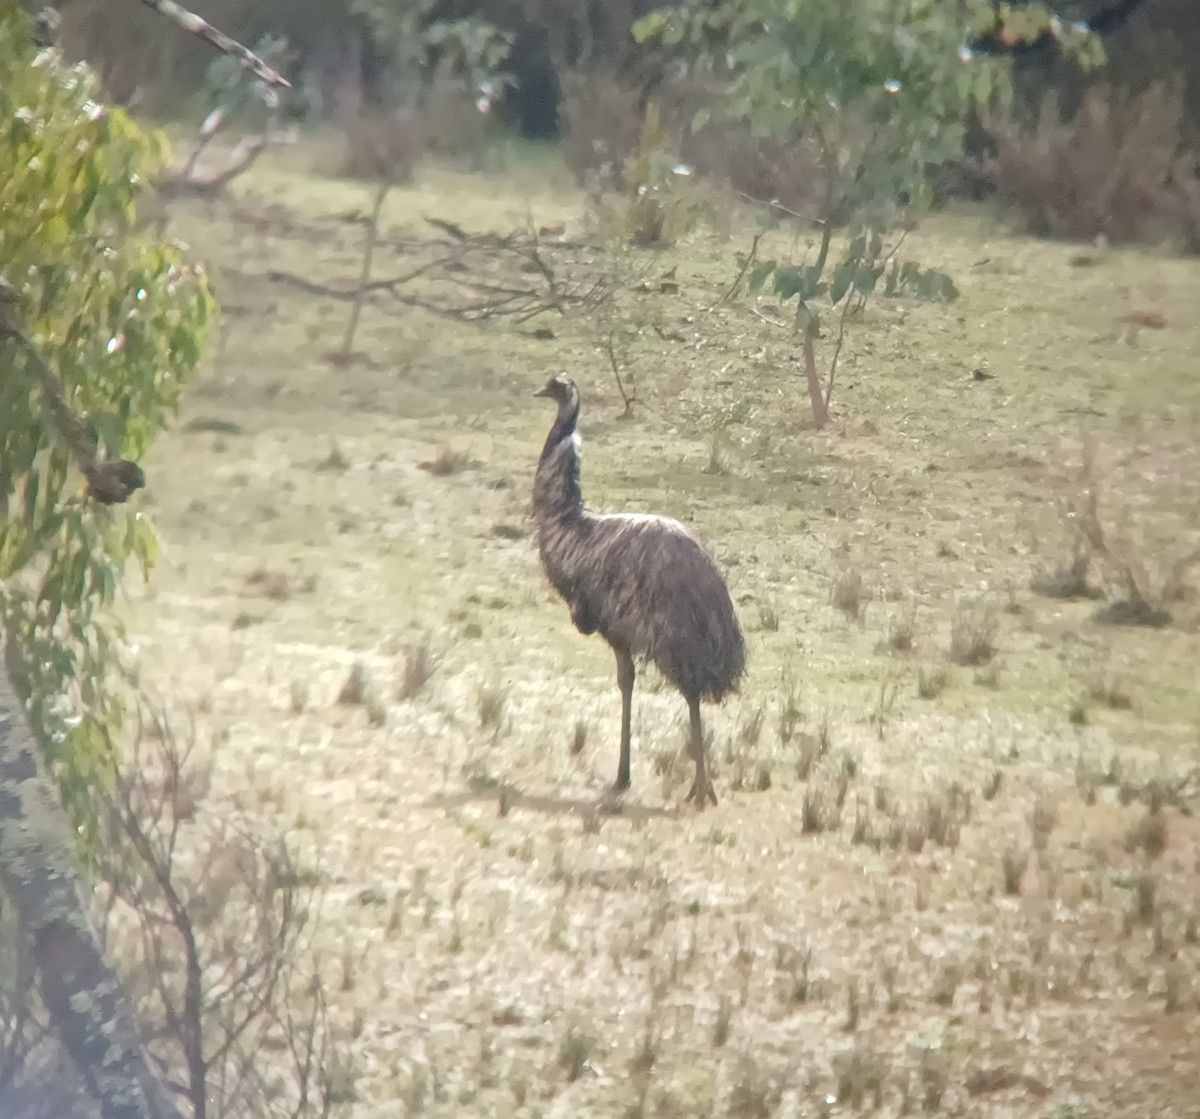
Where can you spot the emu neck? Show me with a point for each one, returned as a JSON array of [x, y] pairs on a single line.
[[557, 492]]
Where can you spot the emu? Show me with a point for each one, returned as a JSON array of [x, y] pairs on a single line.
[[642, 582]]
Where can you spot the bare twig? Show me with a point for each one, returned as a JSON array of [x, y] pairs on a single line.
[[895, 248], [862, 295], [381, 194], [737, 280], [487, 266], [329, 291], [220, 996], [775, 204], [629, 399], [837, 350]]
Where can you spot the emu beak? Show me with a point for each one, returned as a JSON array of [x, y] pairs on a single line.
[[543, 391]]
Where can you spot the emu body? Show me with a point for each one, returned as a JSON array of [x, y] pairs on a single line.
[[643, 583]]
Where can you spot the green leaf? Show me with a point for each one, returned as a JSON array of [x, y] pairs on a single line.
[[700, 119], [843, 277], [866, 277], [793, 281], [759, 274]]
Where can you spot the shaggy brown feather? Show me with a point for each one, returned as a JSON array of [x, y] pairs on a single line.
[[645, 584]]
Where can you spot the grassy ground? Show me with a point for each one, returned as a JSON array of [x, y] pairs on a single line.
[[929, 886]]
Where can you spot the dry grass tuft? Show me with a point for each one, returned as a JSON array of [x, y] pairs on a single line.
[[1042, 821], [1149, 834], [791, 714], [1112, 692], [420, 663], [973, 633], [723, 1024], [902, 631], [755, 1092], [575, 1051], [490, 703], [932, 681], [357, 686], [991, 786], [1145, 898], [848, 593], [768, 618], [1013, 864], [446, 462], [861, 1076]]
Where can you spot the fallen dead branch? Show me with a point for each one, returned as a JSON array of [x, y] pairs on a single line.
[[476, 277], [189, 181]]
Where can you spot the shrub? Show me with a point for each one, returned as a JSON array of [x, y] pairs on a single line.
[[601, 119], [1117, 169], [874, 89]]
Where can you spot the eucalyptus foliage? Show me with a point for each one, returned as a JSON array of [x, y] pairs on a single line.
[[120, 319], [407, 32], [880, 87]]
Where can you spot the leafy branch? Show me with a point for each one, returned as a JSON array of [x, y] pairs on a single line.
[[852, 282], [108, 482]]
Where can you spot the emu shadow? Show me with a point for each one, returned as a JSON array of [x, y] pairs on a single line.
[[550, 805]]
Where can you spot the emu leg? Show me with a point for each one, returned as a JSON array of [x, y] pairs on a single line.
[[702, 792], [625, 676]]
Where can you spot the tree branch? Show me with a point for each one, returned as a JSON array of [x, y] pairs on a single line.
[[110, 483]]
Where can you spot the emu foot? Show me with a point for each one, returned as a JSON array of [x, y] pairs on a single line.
[[701, 793], [612, 803]]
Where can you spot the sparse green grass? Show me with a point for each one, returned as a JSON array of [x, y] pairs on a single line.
[[531, 950]]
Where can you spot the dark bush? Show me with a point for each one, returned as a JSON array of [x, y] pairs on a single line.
[[380, 145], [600, 117], [1118, 169]]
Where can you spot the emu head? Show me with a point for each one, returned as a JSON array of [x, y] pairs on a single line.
[[563, 392]]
